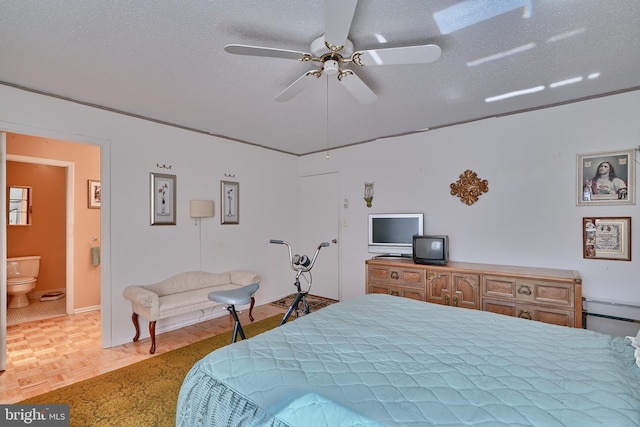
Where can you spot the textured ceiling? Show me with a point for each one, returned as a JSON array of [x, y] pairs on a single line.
[[165, 60]]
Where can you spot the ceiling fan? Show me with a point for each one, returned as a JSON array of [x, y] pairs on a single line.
[[334, 51]]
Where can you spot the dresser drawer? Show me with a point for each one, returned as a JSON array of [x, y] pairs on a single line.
[[538, 291], [553, 315], [407, 292], [397, 276]]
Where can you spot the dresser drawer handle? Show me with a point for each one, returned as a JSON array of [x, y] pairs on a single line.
[[524, 314], [524, 290], [446, 299], [395, 275], [455, 301], [395, 293]]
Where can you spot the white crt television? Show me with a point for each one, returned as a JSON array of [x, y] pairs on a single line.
[[392, 234]]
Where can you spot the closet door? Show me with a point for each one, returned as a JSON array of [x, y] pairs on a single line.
[[319, 221]]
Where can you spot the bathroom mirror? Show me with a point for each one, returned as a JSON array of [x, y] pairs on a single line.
[[19, 206]]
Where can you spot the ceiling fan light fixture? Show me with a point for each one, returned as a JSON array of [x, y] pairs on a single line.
[[331, 67]]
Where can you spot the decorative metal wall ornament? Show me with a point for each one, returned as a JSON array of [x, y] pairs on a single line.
[[469, 187]]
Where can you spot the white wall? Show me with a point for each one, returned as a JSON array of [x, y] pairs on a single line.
[[529, 217], [138, 253]]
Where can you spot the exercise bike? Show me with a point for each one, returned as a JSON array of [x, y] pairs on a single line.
[[302, 265]]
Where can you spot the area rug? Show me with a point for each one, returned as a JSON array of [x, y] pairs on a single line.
[[315, 302], [142, 394]]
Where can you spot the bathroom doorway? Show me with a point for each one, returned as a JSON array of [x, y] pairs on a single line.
[[45, 233], [81, 163], [73, 255]]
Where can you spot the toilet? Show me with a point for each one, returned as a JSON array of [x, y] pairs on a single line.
[[21, 279]]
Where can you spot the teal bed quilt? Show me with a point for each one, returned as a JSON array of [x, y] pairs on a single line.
[[379, 360]]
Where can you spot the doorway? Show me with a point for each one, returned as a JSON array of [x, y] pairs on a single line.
[[52, 219], [78, 245]]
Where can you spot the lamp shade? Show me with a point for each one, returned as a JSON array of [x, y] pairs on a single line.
[[201, 208]]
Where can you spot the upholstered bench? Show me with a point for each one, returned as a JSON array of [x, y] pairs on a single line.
[[180, 294]]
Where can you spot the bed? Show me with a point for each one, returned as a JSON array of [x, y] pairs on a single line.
[[379, 360]]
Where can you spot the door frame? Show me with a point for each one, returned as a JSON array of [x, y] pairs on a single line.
[[105, 224], [3, 253]]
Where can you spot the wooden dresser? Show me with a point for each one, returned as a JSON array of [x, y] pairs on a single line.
[[543, 294]]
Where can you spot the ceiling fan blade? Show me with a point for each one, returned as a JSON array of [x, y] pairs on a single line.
[[421, 54], [297, 86], [338, 20], [240, 49], [357, 87]]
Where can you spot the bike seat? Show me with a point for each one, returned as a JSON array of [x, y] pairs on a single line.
[[235, 296]]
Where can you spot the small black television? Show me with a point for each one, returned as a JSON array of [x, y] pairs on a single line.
[[432, 250]]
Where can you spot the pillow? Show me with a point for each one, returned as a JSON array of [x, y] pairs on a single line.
[[635, 341]]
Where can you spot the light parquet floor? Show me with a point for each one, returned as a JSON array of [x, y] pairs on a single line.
[[48, 354]]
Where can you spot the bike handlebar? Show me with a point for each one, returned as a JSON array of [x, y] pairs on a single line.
[[299, 264]]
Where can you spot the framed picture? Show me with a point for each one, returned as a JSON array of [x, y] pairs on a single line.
[[230, 202], [94, 194], [607, 238], [606, 178], [163, 199]]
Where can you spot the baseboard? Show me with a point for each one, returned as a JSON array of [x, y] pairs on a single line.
[[87, 309]]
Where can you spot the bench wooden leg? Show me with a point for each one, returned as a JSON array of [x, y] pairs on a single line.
[[152, 333], [134, 318]]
